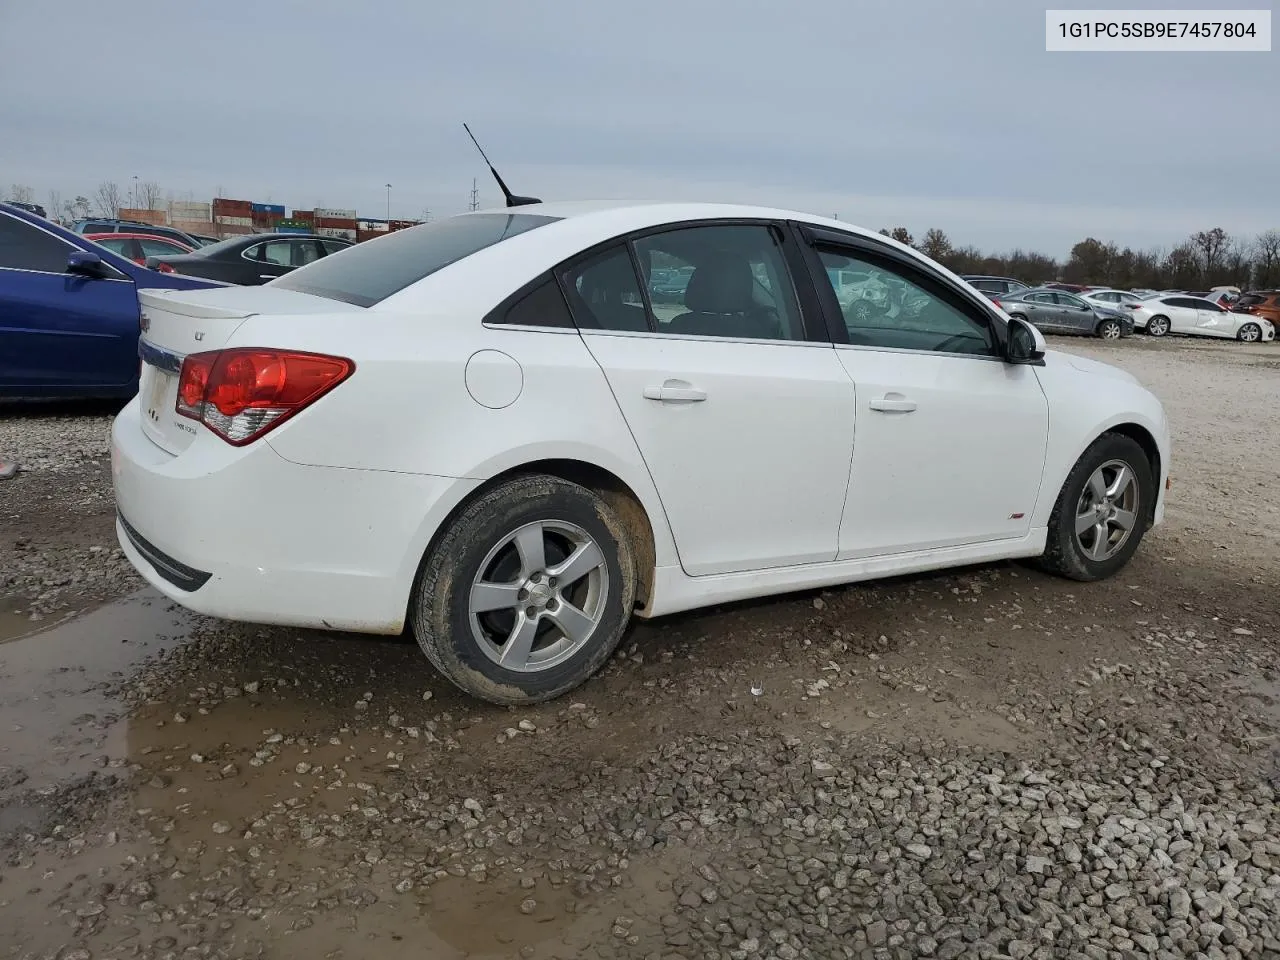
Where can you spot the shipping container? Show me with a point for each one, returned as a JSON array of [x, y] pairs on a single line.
[[280, 228], [402, 224], [234, 221], [336, 232], [157, 218], [267, 208], [295, 223], [203, 227], [241, 208], [189, 210], [338, 223], [372, 225], [328, 213]]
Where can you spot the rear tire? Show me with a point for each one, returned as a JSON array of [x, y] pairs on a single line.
[[1109, 330], [1249, 333], [527, 592], [1158, 326], [1088, 537]]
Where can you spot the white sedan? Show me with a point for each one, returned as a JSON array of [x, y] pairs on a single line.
[[1195, 316], [486, 428]]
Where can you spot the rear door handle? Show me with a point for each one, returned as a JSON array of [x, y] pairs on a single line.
[[893, 403], [675, 391]]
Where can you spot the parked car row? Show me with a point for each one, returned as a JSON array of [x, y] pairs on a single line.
[[1110, 313]]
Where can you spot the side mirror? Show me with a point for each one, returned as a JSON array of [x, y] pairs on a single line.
[[86, 264], [1026, 344]]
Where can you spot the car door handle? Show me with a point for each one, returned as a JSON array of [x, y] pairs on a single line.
[[675, 391], [893, 403]]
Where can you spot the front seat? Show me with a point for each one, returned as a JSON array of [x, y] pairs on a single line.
[[720, 303]]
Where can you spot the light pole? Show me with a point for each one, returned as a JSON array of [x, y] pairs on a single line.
[[388, 201], [134, 201]]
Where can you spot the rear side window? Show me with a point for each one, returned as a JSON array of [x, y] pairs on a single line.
[[368, 273], [24, 247], [543, 306]]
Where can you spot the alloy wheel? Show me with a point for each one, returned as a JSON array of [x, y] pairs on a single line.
[[539, 596], [1107, 510]]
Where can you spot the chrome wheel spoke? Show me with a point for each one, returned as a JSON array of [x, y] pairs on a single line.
[[1101, 542], [1098, 486], [515, 652], [1124, 477], [1084, 521], [532, 549], [580, 563], [1124, 519], [574, 623], [486, 597]]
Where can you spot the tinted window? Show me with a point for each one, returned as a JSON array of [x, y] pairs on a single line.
[[904, 309], [1251, 300], [121, 245], [370, 272], [988, 286], [1040, 298], [1069, 301], [1181, 302], [737, 283], [154, 247], [1206, 305], [605, 294], [273, 251], [24, 247], [333, 246], [305, 251], [543, 306]]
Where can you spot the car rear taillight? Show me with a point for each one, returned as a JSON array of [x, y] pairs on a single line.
[[165, 268], [243, 392]]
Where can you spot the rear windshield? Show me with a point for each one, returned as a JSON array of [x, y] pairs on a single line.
[[370, 272]]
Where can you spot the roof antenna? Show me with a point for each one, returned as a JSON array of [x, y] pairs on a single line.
[[512, 199]]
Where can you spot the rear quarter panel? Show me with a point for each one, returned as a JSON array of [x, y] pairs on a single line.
[[409, 406]]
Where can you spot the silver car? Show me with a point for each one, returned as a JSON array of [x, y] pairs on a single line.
[[1056, 311]]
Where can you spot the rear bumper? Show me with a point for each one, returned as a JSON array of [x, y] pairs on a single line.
[[243, 534]]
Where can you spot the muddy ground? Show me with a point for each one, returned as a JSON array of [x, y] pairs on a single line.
[[987, 762]]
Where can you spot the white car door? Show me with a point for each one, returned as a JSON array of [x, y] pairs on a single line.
[[951, 439], [1182, 313], [744, 420], [1213, 321]]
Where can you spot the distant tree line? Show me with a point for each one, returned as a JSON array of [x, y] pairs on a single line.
[[1208, 258]]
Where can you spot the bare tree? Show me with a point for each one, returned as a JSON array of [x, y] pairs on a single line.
[[1210, 245], [935, 245], [54, 209], [149, 195], [22, 194], [107, 199], [1266, 258], [78, 208]]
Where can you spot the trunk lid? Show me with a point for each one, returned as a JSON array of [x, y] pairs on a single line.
[[175, 323]]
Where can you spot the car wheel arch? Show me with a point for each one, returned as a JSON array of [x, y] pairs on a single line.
[[620, 496], [1140, 435]]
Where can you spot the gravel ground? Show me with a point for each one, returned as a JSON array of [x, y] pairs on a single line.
[[985, 763]]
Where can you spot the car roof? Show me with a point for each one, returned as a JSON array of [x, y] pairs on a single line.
[[131, 234]]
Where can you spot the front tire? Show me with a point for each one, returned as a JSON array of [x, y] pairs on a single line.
[[1109, 330], [527, 592], [1102, 511], [1158, 326], [1249, 333]]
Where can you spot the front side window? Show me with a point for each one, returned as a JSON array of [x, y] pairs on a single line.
[[899, 308], [368, 273], [25, 247], [1069, 301], [720, 281]]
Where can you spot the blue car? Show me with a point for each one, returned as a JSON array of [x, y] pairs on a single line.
[[69, 314]]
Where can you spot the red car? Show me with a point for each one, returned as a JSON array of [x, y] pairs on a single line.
[[138, 246]]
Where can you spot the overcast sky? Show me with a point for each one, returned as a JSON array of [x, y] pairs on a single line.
[[925, 113]]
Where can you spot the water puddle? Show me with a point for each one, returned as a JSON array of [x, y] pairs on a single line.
[[57, 719]]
